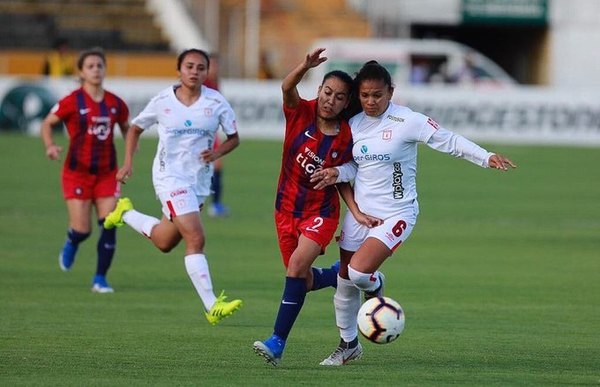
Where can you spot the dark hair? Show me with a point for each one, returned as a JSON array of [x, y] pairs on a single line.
[[95, 51], [341, 75], [182, 56], [371, 70]]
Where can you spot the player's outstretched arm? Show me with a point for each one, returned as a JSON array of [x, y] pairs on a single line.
[[500, 162]]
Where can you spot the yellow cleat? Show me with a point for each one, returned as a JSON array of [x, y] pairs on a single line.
[[222, 309], [115, 218]]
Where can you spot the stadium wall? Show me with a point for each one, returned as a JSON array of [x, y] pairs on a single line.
[[523, 115]]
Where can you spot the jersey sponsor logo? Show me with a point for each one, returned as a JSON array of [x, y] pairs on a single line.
[[433, 124], [371, 156], [307, 134], [100, 128], [394, 118], [190, 131], [187, 123], [304, 159], [386, 135], [178, 192], [84, 111], [397, 181]]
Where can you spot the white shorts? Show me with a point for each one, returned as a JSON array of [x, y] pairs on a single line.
[[180, 201], [393, 232]]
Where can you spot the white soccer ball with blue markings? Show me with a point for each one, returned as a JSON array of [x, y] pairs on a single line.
[[381, 320]]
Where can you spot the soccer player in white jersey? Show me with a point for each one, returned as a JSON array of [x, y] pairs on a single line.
[[188, 115], [384, 169]]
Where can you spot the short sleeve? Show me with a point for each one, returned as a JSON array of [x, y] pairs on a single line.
[[227, 119], [64, 108], [147, 117]]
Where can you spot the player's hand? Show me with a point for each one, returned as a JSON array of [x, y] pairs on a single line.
[[324, 177], [124, 174], [208, 156], [367, 220], [314, 58], [500, 162], [53, 152]]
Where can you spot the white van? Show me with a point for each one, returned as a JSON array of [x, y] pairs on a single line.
[[412, 61]]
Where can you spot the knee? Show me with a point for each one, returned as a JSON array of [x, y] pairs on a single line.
[[164, 247], [363, 281], [195, 242]]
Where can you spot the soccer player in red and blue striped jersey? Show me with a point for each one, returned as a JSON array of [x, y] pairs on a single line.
[[90, 114], [306, 219]]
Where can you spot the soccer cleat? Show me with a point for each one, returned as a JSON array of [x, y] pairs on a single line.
[[271, 349], [101, 286], [218, 210], [115, 218], [222, 309], [342, 355], [377, 292], [66, 258]]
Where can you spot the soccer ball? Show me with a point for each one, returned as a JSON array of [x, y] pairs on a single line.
[[381, 320]]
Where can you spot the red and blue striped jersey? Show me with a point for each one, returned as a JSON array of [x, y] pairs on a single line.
[[305, 149], [90, 125]]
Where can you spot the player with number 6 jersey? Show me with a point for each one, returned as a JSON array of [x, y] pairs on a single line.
[[384, 169]]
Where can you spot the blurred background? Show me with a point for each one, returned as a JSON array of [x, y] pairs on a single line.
[[543, 48]]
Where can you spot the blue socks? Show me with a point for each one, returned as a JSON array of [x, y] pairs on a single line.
[[105, 248], [324, 277], [291, 303], [216, 187]]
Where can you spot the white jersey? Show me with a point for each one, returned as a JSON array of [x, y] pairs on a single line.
[[184, 132], [385, 159]]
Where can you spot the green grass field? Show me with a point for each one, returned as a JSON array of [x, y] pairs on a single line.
[[500, 282]]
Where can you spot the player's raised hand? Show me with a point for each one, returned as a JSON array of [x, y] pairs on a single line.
[[53, 152], [500, 162], [314, 58]]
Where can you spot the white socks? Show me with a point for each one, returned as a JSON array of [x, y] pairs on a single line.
[[347, 303], [197, 268], [140, 222]]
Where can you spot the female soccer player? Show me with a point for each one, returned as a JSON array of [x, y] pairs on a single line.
[[188, 115], [88, 177], [306, 219], [384, 172]]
